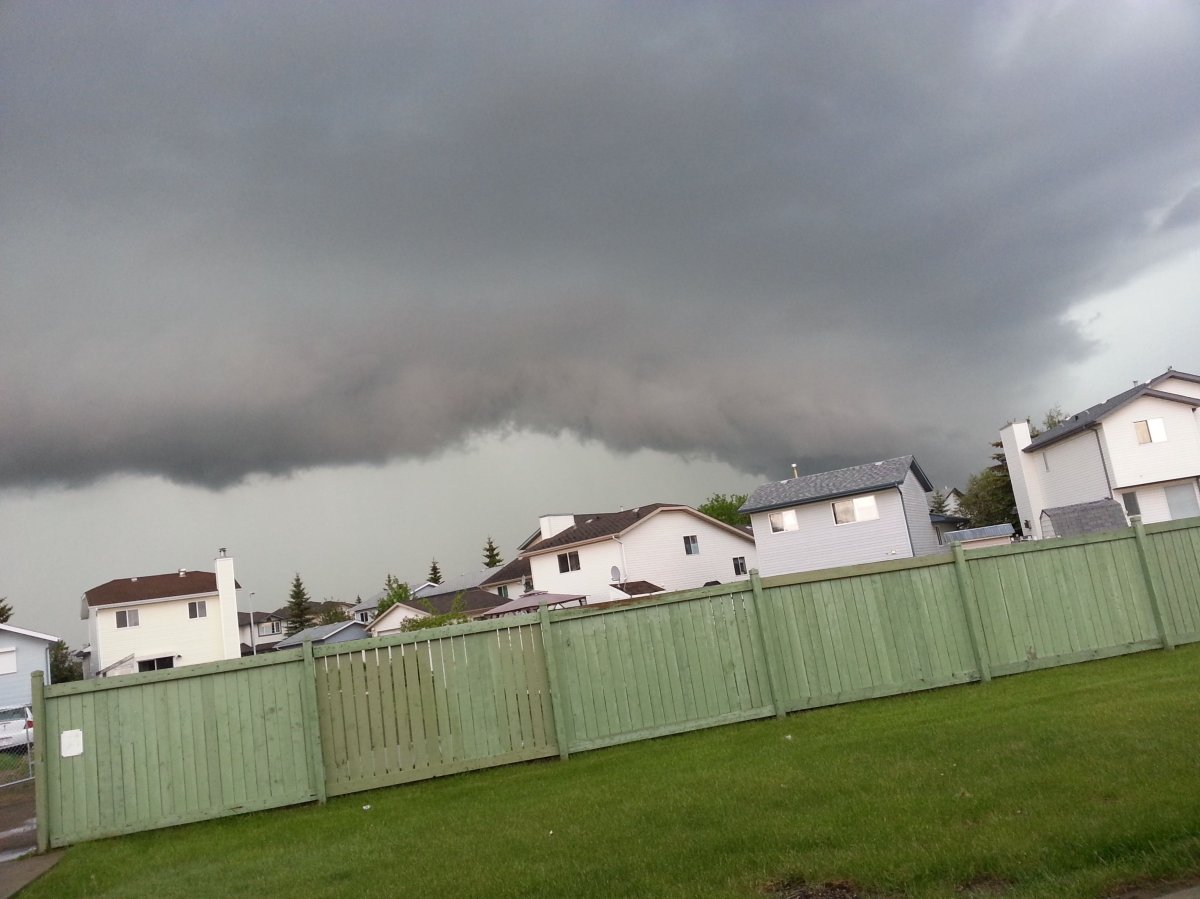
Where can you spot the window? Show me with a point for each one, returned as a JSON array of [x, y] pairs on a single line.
[[1152, 430], [8, 660], [127, 618], [568, 562], [269, 628], [156, 664], [739, 564], [861, 508], [1181, 501], [783, 521], [363, 617], [1132, 507], [197, 609], [691, 545], [502, 591]]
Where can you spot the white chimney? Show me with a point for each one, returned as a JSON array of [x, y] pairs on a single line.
[[555, 524], [231, 645]]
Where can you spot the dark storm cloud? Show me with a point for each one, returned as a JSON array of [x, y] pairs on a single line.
[[247, 238]]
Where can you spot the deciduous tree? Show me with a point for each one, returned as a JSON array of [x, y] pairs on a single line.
[[64, 667], [394, 591], [725, 508]]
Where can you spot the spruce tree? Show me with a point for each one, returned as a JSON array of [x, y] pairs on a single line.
[[435, 573], [5, 610], [937, 503], [299, 609], [491, 555]]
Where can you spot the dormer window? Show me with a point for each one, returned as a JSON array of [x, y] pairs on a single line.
[[1152, 430]]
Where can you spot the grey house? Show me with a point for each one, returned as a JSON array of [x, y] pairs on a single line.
[[867, 513], [22, 652], [337, 632]]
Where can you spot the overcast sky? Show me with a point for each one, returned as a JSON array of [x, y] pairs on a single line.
[[346, 286]]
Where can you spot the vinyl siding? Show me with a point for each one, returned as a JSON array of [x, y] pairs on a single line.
[[163, 629], [1176, 458], [1180, 386], [1072, 471], [916, 509], [30, 655], [1152, 500], [820, 543], [654, 552], [591, 580]]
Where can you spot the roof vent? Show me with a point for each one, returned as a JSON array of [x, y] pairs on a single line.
[[795, 472], [182, 572], [133, 580]]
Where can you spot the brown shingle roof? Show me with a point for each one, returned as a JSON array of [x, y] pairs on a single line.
[[593, 527], [474, 599], [516, 570], [154, 586]]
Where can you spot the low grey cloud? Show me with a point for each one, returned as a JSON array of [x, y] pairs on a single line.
[[246, 239]]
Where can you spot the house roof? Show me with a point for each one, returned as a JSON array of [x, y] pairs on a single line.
[[516, 570], [318, 633], [810, 488], [1087, 518], [588, 528], [1088, 417], [13, 629], [245, 618], [474, 599], [457, 583], [154, 586], [991, 530], [314, 608]]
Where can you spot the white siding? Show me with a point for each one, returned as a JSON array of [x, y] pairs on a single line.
[[654, 552], [820, 543], [596, 561], [1071, 471], [392, 620], [1180, 386], [163, 629], [1152, 500], [1176, 458], [921, 531]]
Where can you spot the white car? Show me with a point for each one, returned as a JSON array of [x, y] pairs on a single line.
[[16, 728]]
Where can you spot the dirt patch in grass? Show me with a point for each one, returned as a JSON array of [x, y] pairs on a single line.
[[1152, 889], [800, 889], [985, 885]]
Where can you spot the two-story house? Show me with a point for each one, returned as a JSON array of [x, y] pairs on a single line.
[[1140, 448], [22, 652], [634, 552], [161, 621], [867, 513]]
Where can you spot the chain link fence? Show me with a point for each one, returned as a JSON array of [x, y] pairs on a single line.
[[16, 744]]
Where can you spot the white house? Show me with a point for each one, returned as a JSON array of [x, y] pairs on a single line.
[[867, 513], [163, 620], [22, 652], [1140, 448], [259, 631], [650, 549]]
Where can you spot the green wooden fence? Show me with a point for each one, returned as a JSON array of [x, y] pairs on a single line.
[[199, 742]]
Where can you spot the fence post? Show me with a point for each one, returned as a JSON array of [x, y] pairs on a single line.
[[1139, 536], [758, 607], [970, 607], [556, 703], [312, 721], [41, 735]]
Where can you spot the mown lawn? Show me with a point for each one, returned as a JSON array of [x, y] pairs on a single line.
[[1066, 783]]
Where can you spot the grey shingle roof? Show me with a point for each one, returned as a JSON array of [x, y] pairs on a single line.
[[810, 488], [317, 633], [1086, 518], [1080, 420], [991, 530]]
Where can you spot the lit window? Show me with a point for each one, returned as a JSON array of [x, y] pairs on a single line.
[[568, 562], [783, 521], [127, 618], [197, 609], [1152, 430], [739, 565], [691, 545], [861, 508]]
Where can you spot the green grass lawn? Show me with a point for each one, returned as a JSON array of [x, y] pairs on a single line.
[[1064, 783]]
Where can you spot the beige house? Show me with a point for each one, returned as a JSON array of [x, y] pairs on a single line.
[[149, 623]]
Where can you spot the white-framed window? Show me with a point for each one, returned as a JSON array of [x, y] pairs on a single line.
[[691, 545], [502, 591], [784, 520], [860, 508], [8, 660], [739, 564], [1152, 430], [270, 628], [197, 608], [568, 562], [363, 616], [127, 618], [1181, 501]]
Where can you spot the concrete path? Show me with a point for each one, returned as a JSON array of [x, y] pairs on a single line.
[[16, 875]]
